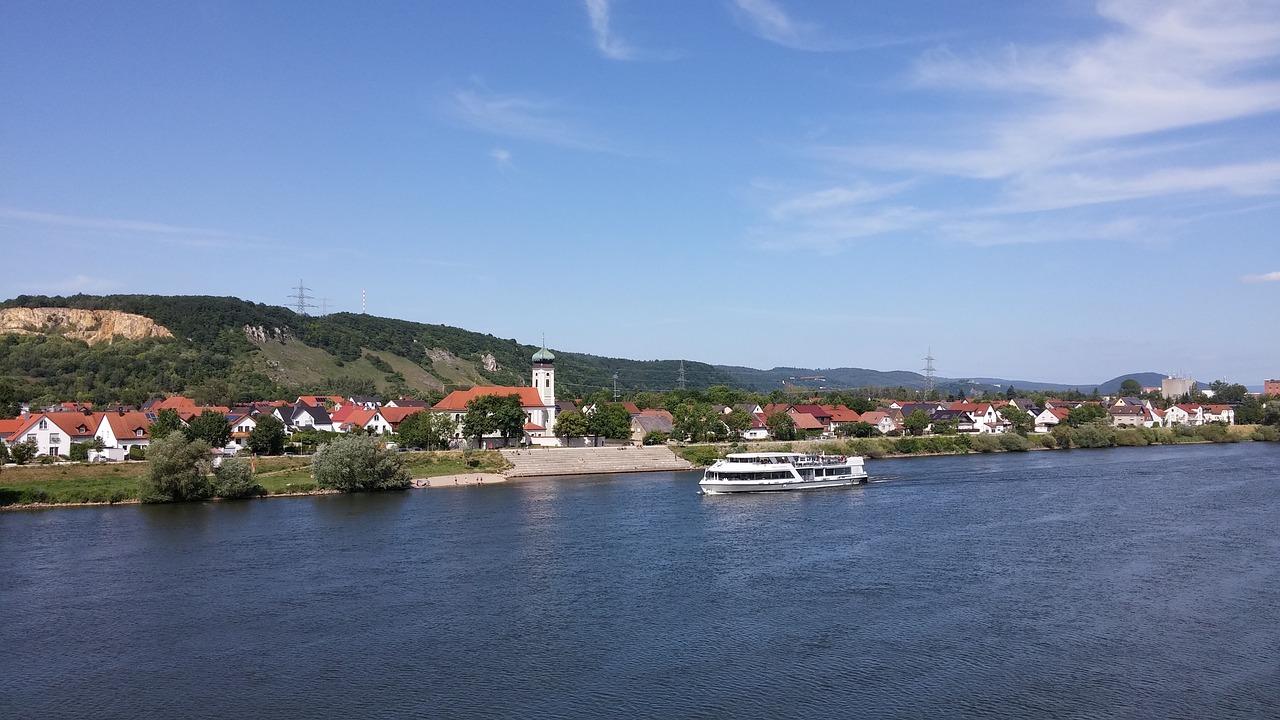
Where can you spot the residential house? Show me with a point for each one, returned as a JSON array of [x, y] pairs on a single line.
[[1184, 414], [1050, 417], [9, 427], [323, 401], [880, 420], [120, 432], [302, 416], [407, 403], [386, 419], [642, 425], [368, 402], [1220, 413], [53, 433], [1127, 415]]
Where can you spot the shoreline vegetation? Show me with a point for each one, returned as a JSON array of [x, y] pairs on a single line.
[[69, 484], [76, 484]]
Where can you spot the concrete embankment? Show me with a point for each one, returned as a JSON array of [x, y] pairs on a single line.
[[542, 462]]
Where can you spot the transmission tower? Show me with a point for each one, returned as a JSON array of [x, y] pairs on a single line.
[[615, 387], [680, 380], [928, 374], [302, 298], [324, 306]]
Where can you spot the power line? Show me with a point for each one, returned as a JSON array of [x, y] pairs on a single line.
[[302, 298]]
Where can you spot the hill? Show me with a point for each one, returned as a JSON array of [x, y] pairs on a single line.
[[228, 349]]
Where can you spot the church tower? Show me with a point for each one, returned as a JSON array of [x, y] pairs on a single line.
[[544, 375]]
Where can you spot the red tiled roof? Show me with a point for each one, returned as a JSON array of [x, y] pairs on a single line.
[[843, 415], [457, 400], [657, 412], [631, 407], [533, 427], [174, 402], [805, 421], [126, 425], [394, 415], [9, 427]]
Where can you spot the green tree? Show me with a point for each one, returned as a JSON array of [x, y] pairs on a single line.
[[738, 421], [1130, 388], [916, 422], [1084, 414], [1250, 412], [213, 391], [8, 399], [233, 479], [1022, 422], [177, 470], [426, 429], [655, 437], [356, 463], [781, 426], [488, 414], [78, 452], [858, 429], [570, 424], [695, 422], [611, 421], [167, 421], [210, 426], [4, 453], [1225, 392], [267, 436], [21, 453]]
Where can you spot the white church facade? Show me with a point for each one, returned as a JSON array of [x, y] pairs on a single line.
[[538, 400]]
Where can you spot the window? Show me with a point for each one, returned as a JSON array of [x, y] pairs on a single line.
[[54, 438], [44, 424]]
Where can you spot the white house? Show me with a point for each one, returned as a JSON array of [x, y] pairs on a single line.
[[538, 401]]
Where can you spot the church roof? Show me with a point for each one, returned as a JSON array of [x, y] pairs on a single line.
[[457, 400], [544, 356]]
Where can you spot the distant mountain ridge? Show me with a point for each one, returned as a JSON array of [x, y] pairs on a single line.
[[263, 349]]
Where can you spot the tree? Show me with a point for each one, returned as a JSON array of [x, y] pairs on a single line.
[[4, 453], [8, 399], [655, 437], [1226, 392], [570, 424], [267, 436], [426, 429], [858, 429], [695, 422], [1021, 421], [501, 414], [177, 470], [738, 421], [1083, 414], [233, 479], [1130, 388], [167, 421], [610, 420], [356, 463], [210, 426], [916, 422], [1250, 412], [781, 426], [22, 452]]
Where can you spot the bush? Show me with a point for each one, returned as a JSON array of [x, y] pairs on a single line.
[[701, 454], [1266, 433], [655, 437], [1013, 442], [79, 452], [355, 463], [234, 479], [985, 443], [137, 453], [1217, 432], [1131, 437], [1094, 435], [1064, 436], [868, 447], [22, 452], [1046, 441], [177, 470]]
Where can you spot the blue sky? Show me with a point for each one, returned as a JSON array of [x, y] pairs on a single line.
[[1056, 191]]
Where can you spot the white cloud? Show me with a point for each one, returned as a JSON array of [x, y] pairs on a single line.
[[503, 157], [107, 225], [609, 44], [1148, 111], [526, 117], [1265, 277], [770, 21]]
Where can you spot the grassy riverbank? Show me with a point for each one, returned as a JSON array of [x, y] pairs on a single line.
[[1083, 437], [79, 483]]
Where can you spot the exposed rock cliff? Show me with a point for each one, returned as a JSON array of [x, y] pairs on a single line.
[[91, 326]]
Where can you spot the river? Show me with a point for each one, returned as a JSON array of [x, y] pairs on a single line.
[[1132, 582]]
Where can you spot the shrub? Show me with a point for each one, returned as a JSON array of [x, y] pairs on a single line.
[[79, 452], [701, 454], [1013, 442], [1046, 440], [867, 447], [1131, 437], [177, 470], [1094, 435], [1216, 432], [356, 463], [1064, 436], [137, 453], [655, 437], [23, 452], [1266, 433], [985, 443], [234, 479]]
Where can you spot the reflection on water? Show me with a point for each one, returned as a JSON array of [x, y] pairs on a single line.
[[1134, 583]]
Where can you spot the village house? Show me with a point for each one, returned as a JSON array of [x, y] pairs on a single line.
[[120, 432], [53, 433]]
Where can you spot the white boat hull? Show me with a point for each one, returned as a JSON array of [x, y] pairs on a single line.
[[713, 487]]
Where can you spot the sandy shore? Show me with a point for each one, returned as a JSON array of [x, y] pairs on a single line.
[[463, 480]]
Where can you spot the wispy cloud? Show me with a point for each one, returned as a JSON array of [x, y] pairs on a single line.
[[771, 21], [108, 225], [527, 117], [1147, 111], [1265, 277], [609, 44], [501, 156]]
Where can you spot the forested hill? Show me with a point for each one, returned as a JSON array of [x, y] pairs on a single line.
[[229, 349]]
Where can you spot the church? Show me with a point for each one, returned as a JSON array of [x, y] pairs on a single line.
[[538, 400]]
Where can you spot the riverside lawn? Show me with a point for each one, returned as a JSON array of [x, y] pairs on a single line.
[[68, 483]]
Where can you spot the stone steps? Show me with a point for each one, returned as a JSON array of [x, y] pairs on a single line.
[[592, 461]]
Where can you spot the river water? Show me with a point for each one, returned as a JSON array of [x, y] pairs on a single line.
[[1116, 583]]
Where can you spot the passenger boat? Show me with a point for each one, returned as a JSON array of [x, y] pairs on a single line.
[[774, 471]]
